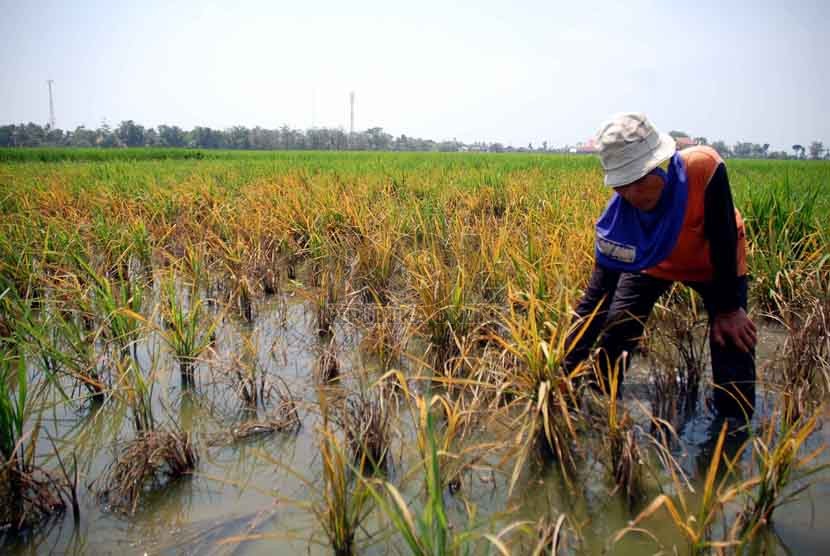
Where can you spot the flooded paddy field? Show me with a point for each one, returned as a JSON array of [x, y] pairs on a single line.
[[361, 354]]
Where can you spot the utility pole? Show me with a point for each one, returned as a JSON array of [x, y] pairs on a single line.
[[351, 113], [51, 106]]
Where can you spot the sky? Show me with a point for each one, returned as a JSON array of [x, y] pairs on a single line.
[[513, 72]]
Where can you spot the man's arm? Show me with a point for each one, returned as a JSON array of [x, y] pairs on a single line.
[[730, 321], [721, 229]]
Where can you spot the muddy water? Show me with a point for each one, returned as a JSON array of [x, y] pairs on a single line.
[[249, 496]]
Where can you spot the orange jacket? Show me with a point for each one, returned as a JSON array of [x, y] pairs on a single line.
[[689, 261]]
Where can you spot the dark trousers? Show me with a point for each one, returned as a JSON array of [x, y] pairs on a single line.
[[625, 302]]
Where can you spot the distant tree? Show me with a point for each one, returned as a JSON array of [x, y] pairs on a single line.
[[28, 135], [701, 141], [6, 136], [105, 136], [237, 138], [378, 140], [743, 150], [83, 137], [816, 150], [151, 138], [722, 148], [678, 134], [55, 137], [206, 138], [449, 146], [130, 133], [798, 150], [171, 136]]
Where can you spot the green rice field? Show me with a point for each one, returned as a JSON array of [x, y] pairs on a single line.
[[360, 353]]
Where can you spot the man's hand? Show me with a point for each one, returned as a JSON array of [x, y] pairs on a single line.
[[735, 327]]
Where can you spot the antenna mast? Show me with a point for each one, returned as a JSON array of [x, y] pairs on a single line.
[[51, 106]]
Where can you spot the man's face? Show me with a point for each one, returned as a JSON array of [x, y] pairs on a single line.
[[644, 193]]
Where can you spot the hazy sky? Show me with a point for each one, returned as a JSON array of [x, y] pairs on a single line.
[[494, 71]]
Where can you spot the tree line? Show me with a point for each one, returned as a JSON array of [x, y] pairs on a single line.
[[130, 134], [741, 149]]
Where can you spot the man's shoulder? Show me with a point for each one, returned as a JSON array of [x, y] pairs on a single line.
[[701, 154], [701, 161]]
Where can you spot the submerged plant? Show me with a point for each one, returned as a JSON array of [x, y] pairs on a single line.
[[61, 346], [366, 420], [546, 390], [343, 502], [28, 493], [619, 443], [694, 522], [148, 462], [677, 346], [326, 300], [427, 532], [186, 333], [346, 501], [283, 414], [805, 365], [327, 366], [137, 392], [389, 331], [552, 536], [781, 469], [117, 302]]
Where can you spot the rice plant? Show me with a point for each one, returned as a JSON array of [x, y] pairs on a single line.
[[426, 531], [28, 493], [118, 304], [148, 462], [695, 520], [552, 537], [389, 331], [327, 301], [782, 228], [343, 502], [621, 454], [186, 333], [61, 347], [366, 420], [443, 306], [780, 468], [804, 368], [677, 348], [546, 391], [12, 404]]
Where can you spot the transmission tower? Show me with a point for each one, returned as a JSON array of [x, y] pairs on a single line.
[[51, 106], [351, 113]]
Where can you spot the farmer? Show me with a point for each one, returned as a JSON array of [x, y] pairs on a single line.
[[671, 218]]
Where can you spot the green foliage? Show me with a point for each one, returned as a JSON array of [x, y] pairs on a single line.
[[12, 403], [427, 532], [185, 330], [788, 249]]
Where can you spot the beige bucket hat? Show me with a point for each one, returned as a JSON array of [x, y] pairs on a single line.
[[630, 147]]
